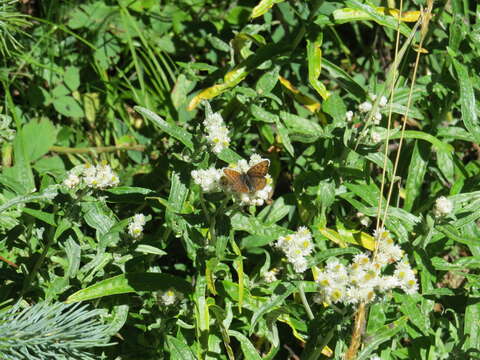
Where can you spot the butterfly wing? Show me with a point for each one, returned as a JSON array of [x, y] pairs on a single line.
[[259, 170], [256, 175], [235, 180], [257, 183]]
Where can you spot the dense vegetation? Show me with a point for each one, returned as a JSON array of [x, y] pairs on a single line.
[[275, 179]]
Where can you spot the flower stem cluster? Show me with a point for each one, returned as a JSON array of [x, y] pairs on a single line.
[[297, 247], [363, 280]]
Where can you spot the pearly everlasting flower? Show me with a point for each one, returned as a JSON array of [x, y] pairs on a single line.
[[270, 276], [375, 357], [377, 118], [349, 116], [100, 177], [363, 280], [258, 197], [209, 179], [296, 248], [216, 131], [168, 297], [383, 101], [135, 227], [443, 207], [72, 180], [365, 107]]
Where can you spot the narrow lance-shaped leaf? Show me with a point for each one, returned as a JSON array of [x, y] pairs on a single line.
[[467, 100], [173, 130]]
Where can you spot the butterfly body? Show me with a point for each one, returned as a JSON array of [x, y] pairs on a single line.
[[251, 181]]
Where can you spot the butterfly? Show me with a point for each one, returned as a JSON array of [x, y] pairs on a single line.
[[249, 182]]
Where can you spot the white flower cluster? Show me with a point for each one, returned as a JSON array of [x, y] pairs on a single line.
[[135, 227], [362, 280], [209, 179], [169, 297], [216, 131], [259, 197], [443, 207], [97, 177], [297, 247], [367, 106]]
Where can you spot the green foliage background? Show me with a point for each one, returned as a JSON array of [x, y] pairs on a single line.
[[71, 81]]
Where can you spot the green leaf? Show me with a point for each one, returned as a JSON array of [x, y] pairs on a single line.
[[280, 294], [229, 156], [173, 130], [38, 137], [344, 79], [68, 106], [42, 215], [179, 350], [267, 81], [125, 190], [248, 349], [467, 101], [384, 334], [416, 173], [472, 324], [301, 129], [133, 282], [284, 137], [71, 77]]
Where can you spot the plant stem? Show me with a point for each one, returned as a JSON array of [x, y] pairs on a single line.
[[305, 302], [95, 150]]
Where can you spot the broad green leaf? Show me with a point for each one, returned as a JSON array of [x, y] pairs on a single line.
[[173, 130], [127, 283], [68, 106], [71, 78], [38, 137]]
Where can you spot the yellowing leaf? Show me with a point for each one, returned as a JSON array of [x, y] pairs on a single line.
[[262, 7], [407, 16], [344, 236], [207, 94], [305, 100]]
